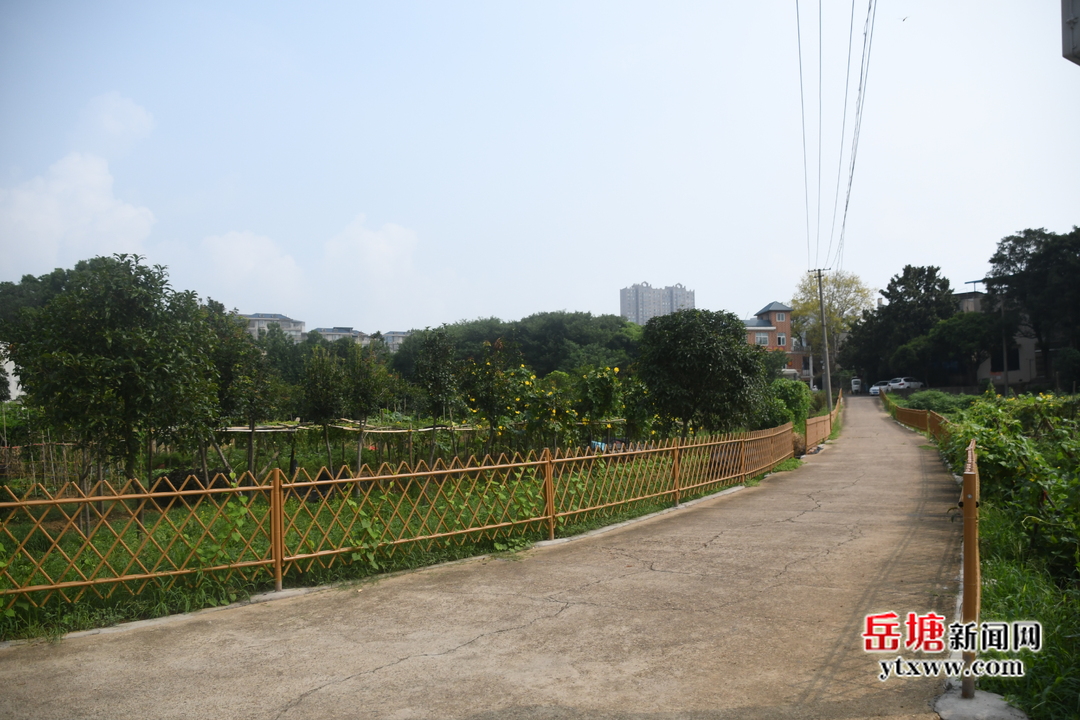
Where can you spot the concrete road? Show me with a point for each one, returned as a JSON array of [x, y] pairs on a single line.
[[748, 605]]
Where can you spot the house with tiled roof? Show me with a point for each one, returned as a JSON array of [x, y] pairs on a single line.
[[770, 329]]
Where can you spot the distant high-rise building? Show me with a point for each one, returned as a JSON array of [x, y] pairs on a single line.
[[641, 302]]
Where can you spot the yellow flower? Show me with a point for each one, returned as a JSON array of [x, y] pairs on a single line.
[[616, 370]]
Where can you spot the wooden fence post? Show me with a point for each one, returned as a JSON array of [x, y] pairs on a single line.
[[549, 492], [742, 458], [277, 526], [972, 575], [675, 467]]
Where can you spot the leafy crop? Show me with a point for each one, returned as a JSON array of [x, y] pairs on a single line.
[[1029, 467]]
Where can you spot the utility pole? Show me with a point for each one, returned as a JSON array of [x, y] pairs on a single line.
[[1004, 349], [824, 336]]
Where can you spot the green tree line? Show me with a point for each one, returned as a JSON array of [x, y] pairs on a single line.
[[111, 357], [1031, 291]]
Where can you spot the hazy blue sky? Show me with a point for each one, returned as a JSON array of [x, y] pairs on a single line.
[[399, 165]]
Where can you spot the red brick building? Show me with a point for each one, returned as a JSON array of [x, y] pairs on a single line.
[[770, 329]]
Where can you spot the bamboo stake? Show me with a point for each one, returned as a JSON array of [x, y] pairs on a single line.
[[972, 579]]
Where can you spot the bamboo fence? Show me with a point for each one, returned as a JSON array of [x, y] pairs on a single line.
[[62, 542]]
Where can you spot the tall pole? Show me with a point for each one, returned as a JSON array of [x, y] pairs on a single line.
[[824, 337], [1004, 349]]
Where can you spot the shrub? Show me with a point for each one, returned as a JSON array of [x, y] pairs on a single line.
[[939, 402], [795, 395]]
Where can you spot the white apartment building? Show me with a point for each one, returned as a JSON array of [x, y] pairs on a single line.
[[259, 323], [336, 333], [641, 302]]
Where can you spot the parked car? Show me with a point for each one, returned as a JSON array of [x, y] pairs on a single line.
[[904, 383], [856, 386], [879, 387]]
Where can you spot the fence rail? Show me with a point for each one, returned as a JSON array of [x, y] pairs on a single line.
[[818, 429], [71, 540]]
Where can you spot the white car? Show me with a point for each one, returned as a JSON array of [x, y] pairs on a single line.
[[904, 383], [879, 387]]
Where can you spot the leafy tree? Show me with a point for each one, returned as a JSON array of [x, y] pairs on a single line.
[[914, 356], [1035, 272], [488, 384], [5, 382], [547, 341], [968, 338], [548, 408], [638, 408], [32, 292], [323, 386], [775, 361], [699, 369], [368, 387], [115, 355], [598, 396], [846, 297], [918, 299], [283, 355], [435, 374], [243, 383], [568, 341]]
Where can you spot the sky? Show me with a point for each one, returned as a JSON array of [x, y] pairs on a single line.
[[390, 166]]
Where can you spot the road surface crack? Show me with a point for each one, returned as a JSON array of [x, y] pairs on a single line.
[[338, 681]]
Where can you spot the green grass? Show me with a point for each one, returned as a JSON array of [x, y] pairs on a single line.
[[788, 465], [837, 426], [1016, 586]]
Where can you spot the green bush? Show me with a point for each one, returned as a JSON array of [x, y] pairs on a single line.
[[937, 401], [770, 413], [795, 395], [1029, 462], [1028, 451]]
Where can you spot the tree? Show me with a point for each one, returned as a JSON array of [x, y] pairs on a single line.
[[699, 369], [967, 338], [282, 354], [1034, 272], [31, 292], [435, 375], [918, 299], [487, 383], [115, 356], [846, 297], [547, 341], [367, 388], [323, 385], [598, 396]]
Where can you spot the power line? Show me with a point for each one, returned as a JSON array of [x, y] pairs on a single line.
[[864, 73], [820, 84], [802, 105], [843, 130]]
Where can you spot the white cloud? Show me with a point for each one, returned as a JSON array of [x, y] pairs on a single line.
[[67, 215], [111, 125], [372, 274], [249, 272], [375, 256]]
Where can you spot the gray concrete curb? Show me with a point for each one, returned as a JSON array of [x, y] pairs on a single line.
[[984, 706]]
